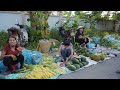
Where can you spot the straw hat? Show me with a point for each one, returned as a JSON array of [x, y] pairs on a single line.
[[80, 27]]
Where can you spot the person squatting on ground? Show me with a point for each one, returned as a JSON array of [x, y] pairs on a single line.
[[66, 51], [12, 54], [80, 38]]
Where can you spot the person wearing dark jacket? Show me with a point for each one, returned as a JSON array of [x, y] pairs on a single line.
[[80, 38]]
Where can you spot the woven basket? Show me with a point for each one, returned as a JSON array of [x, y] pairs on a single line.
[[43, 47]]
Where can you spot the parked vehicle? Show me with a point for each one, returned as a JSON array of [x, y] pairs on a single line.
[[21, 34]]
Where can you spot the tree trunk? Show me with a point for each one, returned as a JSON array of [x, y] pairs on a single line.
[[33, 25]]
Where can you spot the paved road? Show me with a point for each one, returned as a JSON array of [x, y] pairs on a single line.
[[103, 70]]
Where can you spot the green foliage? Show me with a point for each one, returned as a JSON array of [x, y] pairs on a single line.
[[39, 19], [35, 35], [116, 16], [3, 39], [56, 45], [105, 43], [54, 34], [81, 50], [92, 32], [89, 17], [32, 45]]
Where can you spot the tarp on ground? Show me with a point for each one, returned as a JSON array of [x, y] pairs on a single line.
[[91, 62], [15, 76]]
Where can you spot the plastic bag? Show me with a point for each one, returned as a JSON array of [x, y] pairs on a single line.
[[2, 67], [90, 45], [36, 57], [96, 39], [27, 56], [31, 57]]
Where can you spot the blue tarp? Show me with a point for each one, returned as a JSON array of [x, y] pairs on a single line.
[[31, 57], [15, 76]]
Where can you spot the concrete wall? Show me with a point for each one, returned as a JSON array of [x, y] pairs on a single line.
[[8, 19], [52, 20], [105, 25]]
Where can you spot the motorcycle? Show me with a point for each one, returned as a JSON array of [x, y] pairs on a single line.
[[22, 34], [66, 34]]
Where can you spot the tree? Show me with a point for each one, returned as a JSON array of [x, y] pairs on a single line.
[[39, 19], [116, 16], [89, 17]]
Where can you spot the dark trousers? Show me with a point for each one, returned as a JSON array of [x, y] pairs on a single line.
[[82, 41], [65, 53], [8, 61]]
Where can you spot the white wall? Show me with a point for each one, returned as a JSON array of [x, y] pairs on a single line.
[[52, 20], [8, 20]]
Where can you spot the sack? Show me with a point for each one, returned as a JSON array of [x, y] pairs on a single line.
[[43, 47]]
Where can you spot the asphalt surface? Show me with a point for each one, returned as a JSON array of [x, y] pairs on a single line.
[[103, 70]]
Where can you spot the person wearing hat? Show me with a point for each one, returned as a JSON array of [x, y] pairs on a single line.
[[80, 38]]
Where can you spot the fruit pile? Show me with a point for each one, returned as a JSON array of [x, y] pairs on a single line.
[[39, 72], [26, 68], [76, 63], [46, 69], [98, 57], [47, 61]]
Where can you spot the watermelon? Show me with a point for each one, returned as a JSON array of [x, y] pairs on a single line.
[[87, 54], [67, 64], [87, 62], [79, 59], [102, 57], [70, 62], [83, 59], [77, 66], [84, 63], [71, 67], [75, 61], [81, 65]]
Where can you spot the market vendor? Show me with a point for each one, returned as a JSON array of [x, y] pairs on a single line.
[[12, 54], [66, 51], [80, 38]]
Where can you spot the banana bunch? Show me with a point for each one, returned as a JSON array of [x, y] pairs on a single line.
[[59, 71], [46, 57], [52, 66], [39, 72]]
